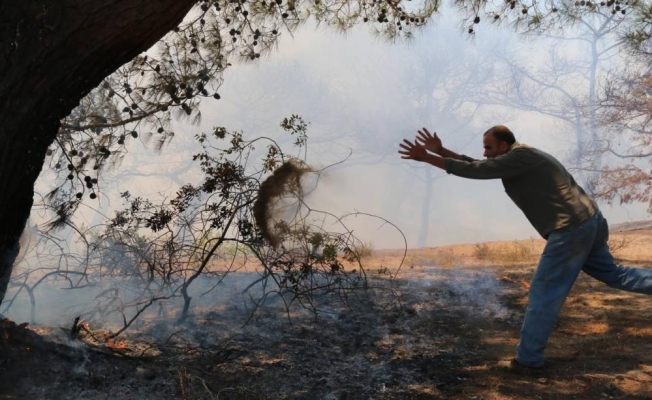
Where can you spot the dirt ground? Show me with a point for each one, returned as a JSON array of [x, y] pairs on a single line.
[[442, 328]]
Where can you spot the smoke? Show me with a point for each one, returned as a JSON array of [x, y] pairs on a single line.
[[106, 304], [476, 290]]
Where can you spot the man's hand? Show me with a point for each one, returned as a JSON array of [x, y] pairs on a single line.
[[412, 151], [430, 141]]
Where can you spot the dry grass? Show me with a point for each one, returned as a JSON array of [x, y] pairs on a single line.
[[633, 247], [365, 250], [516, 252]]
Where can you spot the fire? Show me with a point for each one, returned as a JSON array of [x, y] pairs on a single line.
[[117, 345], [114, 344], [520, 281]]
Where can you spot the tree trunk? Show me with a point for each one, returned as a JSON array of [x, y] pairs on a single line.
[[425, 209], [53, 52]]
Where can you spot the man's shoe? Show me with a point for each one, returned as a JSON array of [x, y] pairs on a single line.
[[514, 363]]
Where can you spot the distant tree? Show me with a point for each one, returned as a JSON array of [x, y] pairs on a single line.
[[442, 88], [563, 85], [435, 83], [625, 113]]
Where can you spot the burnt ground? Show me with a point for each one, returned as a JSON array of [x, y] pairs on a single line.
[[444, 333]]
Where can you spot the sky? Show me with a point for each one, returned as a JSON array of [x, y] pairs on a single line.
[[362, 96]]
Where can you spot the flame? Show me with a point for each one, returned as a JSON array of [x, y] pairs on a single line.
[[520, 281], [114, 344], [117, 345]]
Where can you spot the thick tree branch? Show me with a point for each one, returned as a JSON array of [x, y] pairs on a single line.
[[52, 53]]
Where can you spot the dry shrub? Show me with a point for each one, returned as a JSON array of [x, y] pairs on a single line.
[[618, 244], [410, 261], [285, 179], [365, 250], [515, 252], [445, 258], [482, 251], [440, 257]]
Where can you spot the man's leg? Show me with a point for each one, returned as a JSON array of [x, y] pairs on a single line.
[[601, 265], [559, 266]]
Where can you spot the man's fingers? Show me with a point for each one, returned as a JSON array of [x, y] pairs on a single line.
[[405, 154], [425, 134]]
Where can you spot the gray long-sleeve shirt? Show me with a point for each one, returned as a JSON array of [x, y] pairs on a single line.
[[539, 185]]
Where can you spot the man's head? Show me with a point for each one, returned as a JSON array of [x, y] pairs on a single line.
[[497, 141]]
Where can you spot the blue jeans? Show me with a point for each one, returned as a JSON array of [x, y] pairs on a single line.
[[568, 252]]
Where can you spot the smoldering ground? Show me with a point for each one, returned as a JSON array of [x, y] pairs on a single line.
[[433, 329], [397, 335]]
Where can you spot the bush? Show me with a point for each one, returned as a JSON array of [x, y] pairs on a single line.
[[481, 251], [365, 250], [510, 253]]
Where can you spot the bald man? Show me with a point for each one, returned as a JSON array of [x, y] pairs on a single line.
[[558, 208]]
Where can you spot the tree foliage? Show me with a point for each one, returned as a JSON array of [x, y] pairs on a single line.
[[534, 16], [142, 97], [625, 114], [626, 111]]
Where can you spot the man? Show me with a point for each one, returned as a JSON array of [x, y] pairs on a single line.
[[559, 210]]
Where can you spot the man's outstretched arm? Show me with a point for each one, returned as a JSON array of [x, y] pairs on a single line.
[[508, 165]]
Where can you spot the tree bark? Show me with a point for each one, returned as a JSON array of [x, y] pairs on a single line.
[[52, 53]]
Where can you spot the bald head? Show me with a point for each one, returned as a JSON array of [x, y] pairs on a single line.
[[497, 141], [502, 134]]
